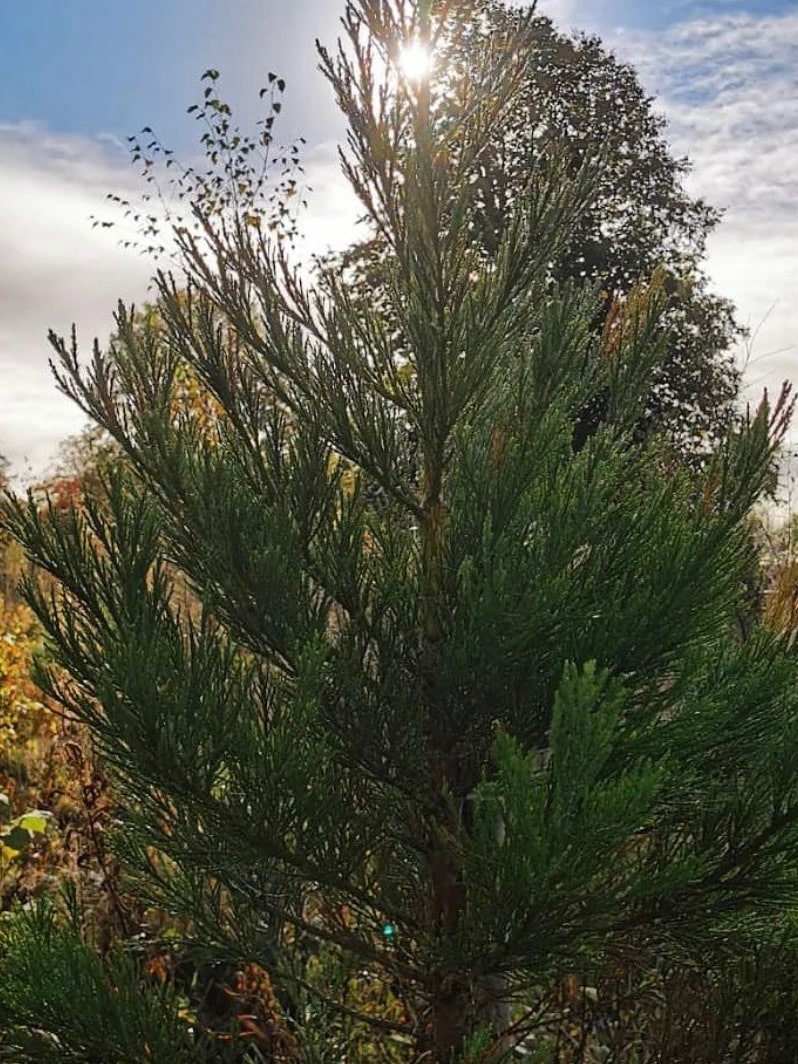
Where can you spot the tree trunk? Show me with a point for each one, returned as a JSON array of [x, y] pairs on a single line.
[[452, 1019], [462, 1007]]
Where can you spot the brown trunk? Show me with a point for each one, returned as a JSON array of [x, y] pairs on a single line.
[[452, 1019], [450, 1008], [460, 1007]]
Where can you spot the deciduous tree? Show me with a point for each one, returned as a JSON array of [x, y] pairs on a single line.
[[577, 102]]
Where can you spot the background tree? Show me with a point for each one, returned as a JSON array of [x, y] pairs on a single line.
[[579, 102], [452, 737]]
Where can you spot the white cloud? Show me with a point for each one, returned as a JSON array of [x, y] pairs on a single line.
[[54, 270], [562, 12], [727, 85], [331, 221]]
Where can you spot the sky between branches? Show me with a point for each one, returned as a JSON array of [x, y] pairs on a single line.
[[79, 77]]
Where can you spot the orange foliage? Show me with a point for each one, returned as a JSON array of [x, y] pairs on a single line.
[[258, 1014], [627, 315]]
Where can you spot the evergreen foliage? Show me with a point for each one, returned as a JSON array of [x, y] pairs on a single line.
[[58, 1001], [576, 100], [449, 725]]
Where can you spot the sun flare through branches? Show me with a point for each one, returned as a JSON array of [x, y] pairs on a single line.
[[416, 61]]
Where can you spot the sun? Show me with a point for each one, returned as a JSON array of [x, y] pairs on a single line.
[[415, 61]]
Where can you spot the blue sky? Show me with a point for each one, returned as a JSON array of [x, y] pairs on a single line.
[[107, 67], [650, 14], [79, 75], [86, 66]]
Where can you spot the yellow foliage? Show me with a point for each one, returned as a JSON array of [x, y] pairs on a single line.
[[192, 400], [22, 711], [781, 602]]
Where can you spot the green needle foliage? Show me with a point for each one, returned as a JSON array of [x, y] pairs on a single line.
[[575, 99], [59, 1002], [454, 701]]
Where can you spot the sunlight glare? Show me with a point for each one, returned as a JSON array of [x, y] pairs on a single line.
[[415, 61]]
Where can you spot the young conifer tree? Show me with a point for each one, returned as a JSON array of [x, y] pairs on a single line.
[[455, 701]]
